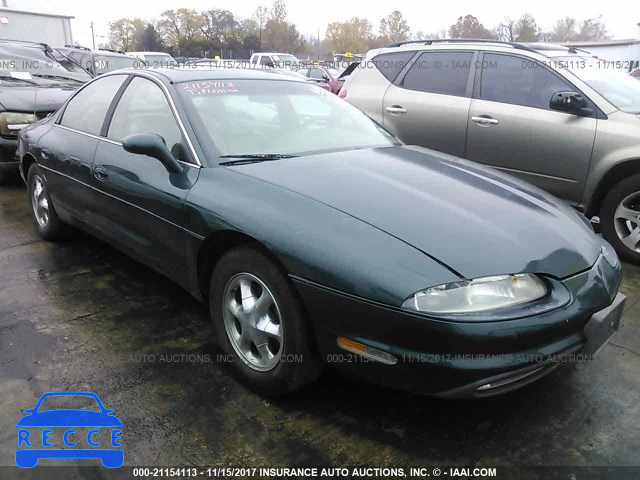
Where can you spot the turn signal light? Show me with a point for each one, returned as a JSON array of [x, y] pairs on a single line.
[[366, 351]]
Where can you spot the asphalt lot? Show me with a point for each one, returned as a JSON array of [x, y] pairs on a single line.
[[79, 315]]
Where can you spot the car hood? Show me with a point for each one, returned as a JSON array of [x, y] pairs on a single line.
[[32, 98], [69, 418], [472, 218]]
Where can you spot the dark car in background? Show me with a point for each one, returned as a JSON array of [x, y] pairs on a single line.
[[35, 81], [316, 237], [100, 61]]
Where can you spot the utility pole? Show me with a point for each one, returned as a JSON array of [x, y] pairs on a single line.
[[93, 36]]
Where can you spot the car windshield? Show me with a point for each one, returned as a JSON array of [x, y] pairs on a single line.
[[253, 117], [41, 70], [68, 402], [107, 63], [617, 87]]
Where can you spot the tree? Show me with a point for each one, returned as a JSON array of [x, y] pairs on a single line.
[[125, 34], [150, 40], [564, 30], [394, 28], [353, 35], [182, 28], [592, 29], [525, 29], [279, 34], [220, 28], [568, 29], [260, 16], [469, 27]]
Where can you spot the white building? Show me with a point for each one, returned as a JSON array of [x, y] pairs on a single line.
[[626, 51], [49, 28]]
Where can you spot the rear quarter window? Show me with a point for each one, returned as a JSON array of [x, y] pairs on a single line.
[[391, 64]]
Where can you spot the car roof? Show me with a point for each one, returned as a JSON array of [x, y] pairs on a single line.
[[176, 75], [540, 48]]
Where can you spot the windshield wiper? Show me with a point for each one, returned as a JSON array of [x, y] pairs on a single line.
[[57, 77], [254, 158], [16, 79]]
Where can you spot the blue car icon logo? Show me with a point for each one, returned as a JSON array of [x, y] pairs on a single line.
[[44, 433]]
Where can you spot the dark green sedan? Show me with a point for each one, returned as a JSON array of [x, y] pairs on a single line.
[[316, 238]]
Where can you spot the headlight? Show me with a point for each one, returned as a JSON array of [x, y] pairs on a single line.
[[12, 122], [478, 295]]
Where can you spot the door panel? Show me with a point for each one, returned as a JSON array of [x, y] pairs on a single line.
[[140, 206], [67, 160], [429, 120], [512, 127], [429, 106]]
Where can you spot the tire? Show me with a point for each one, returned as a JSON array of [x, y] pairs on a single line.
[[620, 218], [44, 217], [260, 340]]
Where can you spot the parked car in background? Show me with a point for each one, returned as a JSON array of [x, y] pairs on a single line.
[[100, 61], [274, 60], [545, 113], [35, 80], [314, 235], [298, 75], [156, 59], [330, 76]]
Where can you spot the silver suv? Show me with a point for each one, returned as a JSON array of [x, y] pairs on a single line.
[[552, 115]]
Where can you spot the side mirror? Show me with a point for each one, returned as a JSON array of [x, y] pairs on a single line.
[[570, 102], [325, 78], [154, 146]]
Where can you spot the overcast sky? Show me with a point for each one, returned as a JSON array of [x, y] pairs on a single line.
[[311, 17]]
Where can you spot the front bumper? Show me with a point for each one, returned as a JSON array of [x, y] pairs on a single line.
[[455, 359]]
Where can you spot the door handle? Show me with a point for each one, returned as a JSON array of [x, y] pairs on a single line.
[[101, 173], [396, 109], [45, 154], [484, 120]]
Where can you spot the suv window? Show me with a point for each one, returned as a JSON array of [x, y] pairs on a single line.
[[391, 64], [445, 73], [519, 81], [86, 110], [143, 108]]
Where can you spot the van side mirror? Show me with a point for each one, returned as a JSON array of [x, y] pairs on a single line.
[[570, 102], [154, 146]]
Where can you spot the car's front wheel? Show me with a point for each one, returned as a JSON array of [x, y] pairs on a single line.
[[44, 216], [260, 324], [620, 218]]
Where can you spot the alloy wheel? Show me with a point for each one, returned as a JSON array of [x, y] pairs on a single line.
[[39, 201], [626, 221], [253, 322]]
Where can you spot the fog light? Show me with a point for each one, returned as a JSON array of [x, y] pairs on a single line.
[[366, 351]]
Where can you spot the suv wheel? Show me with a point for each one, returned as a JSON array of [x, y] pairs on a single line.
[[620, 218], [258, 320]]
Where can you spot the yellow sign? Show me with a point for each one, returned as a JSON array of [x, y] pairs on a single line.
[[348, 54], [217, 57]]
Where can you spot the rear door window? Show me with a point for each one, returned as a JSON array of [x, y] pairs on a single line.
[[446, 73]]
